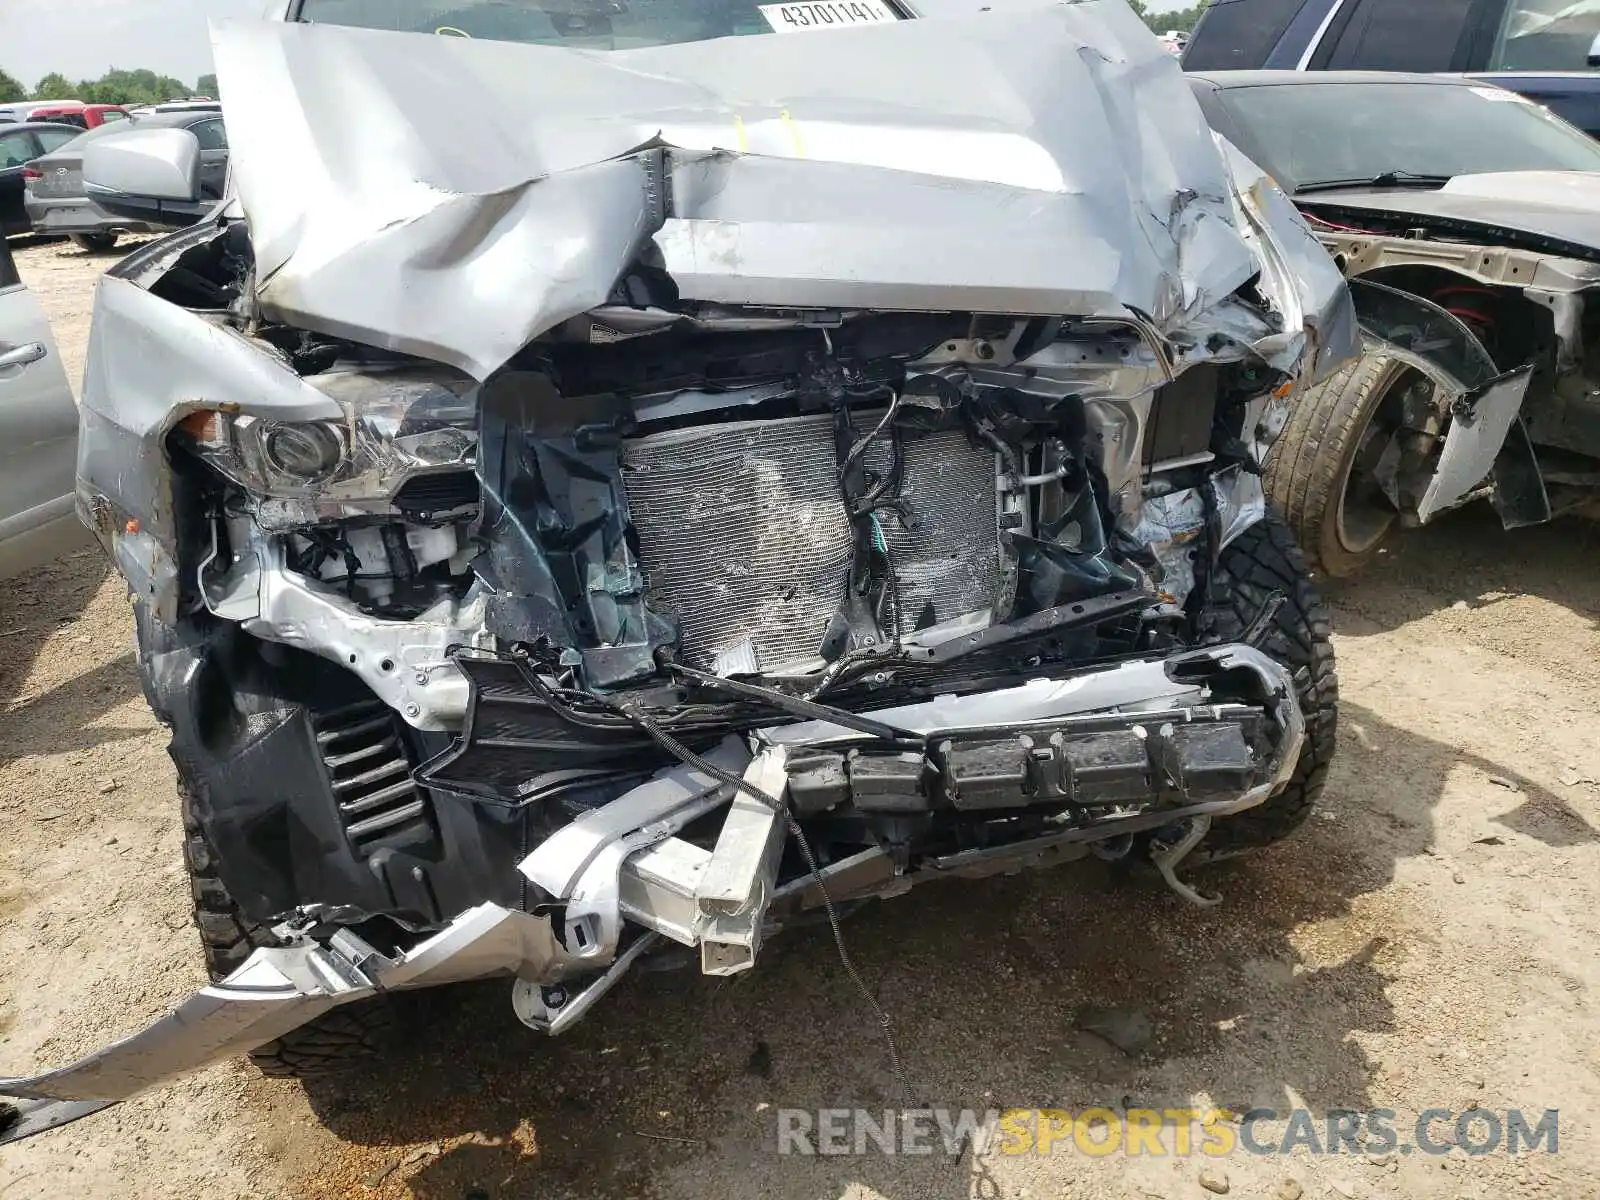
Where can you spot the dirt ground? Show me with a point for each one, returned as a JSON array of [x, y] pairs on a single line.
[[1429, 941]]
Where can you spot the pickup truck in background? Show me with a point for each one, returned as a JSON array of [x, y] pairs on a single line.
[[1545, 49], [84, 116]]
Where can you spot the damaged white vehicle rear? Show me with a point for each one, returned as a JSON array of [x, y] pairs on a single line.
[[580, 501]]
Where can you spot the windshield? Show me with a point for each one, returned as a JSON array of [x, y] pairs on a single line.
[[1306, 134], [595, 24], [1546, 35]]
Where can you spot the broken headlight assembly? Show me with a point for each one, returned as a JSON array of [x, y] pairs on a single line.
[[392, 429]]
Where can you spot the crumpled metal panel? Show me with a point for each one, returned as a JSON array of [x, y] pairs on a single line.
[[455, 198], [1308, 292], [150, 364]]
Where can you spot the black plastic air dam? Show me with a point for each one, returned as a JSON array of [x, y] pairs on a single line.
[[245, 740], [512, 740]]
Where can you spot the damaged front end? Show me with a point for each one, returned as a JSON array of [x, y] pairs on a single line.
[[698, 519]]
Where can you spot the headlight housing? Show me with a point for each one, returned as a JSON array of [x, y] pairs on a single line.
[[395, 426]]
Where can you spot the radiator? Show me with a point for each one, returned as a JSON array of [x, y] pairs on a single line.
[[743, 535]]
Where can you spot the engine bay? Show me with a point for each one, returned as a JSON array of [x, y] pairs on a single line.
[[825, 501]]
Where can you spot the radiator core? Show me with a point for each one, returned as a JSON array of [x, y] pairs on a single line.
[[743, 534]]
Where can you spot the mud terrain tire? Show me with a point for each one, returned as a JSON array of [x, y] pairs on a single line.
[[340, 1040], [1262, 560]]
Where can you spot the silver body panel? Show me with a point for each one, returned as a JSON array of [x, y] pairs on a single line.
[[1071, 172], [1557, 205], [1472, 443], [77, 214], [58, 202], [38, 436]]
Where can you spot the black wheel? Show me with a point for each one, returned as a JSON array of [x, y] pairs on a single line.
[[1331, 472], [339, 1040], [1262, 560], [95, 243]]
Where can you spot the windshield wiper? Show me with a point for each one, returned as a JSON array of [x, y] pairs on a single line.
[[1386, 179]]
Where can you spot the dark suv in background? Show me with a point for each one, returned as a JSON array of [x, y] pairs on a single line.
[[1544, 49]]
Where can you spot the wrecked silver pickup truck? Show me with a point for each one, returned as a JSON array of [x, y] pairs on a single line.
[[578, 501]]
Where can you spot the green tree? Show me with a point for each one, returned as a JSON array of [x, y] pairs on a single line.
[[55, 86], [207, 86], [11, 90], [120, 86], [1182, 19]]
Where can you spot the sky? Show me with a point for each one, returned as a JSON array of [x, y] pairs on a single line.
[[83, 39]]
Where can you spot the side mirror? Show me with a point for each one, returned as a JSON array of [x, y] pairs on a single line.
[[1594, 52], [146, 174]]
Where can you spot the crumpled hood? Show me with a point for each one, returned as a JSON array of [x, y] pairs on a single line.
[[1552, 206], [456, 198]]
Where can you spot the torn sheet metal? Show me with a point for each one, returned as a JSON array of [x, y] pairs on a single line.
[[1477, 431], [1170, 527], [281, 988], [1306, 289], [499, 189]]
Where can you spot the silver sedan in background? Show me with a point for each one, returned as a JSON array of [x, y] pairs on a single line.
[[54, 195], [38, 435]]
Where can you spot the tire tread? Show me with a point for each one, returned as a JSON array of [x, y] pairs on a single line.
[[1306, 468], [1261, 560]]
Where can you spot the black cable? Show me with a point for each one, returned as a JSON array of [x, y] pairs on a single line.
[[796, 706], [891, 587], [873, 500], [678, 750], [853, 455]]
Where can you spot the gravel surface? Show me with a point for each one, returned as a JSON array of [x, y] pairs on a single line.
[[1427, 942]]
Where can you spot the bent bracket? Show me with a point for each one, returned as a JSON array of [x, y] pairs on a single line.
[[1477, 431], [739, 881], [620, 860], [581, 863]]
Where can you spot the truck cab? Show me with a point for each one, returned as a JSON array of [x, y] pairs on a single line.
[[76, 112]]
